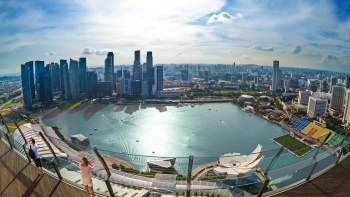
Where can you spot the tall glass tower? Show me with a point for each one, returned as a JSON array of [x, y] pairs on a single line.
[[74, 79], [150, 70], [28, 89], [83, 75], [62, 62], [39, 83]]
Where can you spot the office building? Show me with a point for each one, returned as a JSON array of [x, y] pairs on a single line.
[[74, 79], [127, 82], [323, 86], [137, 68], [184, 75], [55, 77], [333, 82], [276, 76], [338, 96], [66, 83], [347, 81], [316, 107], [28, 91], [136, 87], [158, 78], [39, 82], [83, 75], [137, 60], [244, 78], [286, 84], [346, 115], [120, 86], [109, 67], [303, 97], [150, 70], [144, 87], [206, 76], [47, 97], [62, 62], [91, 84]]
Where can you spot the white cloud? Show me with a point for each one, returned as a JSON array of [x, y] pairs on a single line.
[[226, 52], [88, 51], [178, 54], [258, 47], [223, 17], [51, 53], [297, 49], [330, 58], [100, 52]]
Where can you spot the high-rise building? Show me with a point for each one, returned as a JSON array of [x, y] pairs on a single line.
[[39, 82], [158, 78], [144, 87], [136, 87], [276, 78], [127, 82], [323, 86], [55, 77], [347, 81], [91, 84], [28, 91], [206, 77], [346, 115], [150, 70], [316, 107], [304, 97], [74, 79], [103, 88], [286, 84], [338, 96], [184, 75], [109, 67], [137, 59], [120, 86], [83, 75], [244, 78], [137, 68], [62, 62], [66, 82], [47, 98]]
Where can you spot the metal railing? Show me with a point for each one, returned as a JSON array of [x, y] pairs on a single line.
[[122, 174]]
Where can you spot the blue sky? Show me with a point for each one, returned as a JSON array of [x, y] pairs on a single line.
[[308, 33]]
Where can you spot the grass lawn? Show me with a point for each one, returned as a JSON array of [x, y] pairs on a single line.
[[12, 127], [77, 104], [293, 144]]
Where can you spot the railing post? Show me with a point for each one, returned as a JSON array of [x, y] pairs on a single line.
[[314, 158], [103, 162], [53, 153], [264, 186], [341, 145], [273, 161], [4, 123], [20, 131], [25, 152], [9, 140], [189, 176]]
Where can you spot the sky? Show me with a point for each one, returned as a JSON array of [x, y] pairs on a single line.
[[298, 33]]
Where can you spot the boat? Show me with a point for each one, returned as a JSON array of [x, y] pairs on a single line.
[[95, 129], [153, 151], [137, 140], [90, 133]]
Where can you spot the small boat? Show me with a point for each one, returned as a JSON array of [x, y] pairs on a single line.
[[137, 140], [209, 109], [95, 129], [153, 151], [90, 133]]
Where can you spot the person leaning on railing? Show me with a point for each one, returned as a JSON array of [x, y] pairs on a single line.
[[86, 176], [32, 145]]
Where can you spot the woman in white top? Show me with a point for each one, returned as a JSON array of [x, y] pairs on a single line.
[[37, 160], [86, 177]]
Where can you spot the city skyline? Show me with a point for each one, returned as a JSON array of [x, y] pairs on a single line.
[[297, 33]]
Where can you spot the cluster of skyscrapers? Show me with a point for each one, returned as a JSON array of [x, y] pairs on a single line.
[[73, 81]]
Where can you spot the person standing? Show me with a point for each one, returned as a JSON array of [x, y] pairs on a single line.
[[34, 147], [86, 176]]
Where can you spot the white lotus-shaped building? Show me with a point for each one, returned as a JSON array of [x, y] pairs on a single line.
[[234, 165]]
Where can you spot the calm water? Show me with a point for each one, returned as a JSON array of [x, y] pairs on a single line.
[[203, 130]]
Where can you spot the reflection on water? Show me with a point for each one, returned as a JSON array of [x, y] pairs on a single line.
[[159, 130]]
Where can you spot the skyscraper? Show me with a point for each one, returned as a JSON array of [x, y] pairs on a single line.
[[82, 75], [55, 77], [91, 84], [150, 70], [109, 67], [244, 78], [276, 78], [62, 62], [286, 84], [137, 69], [47, 98], [127, 82], [27, 76], [337, 100], [39, 82], [74, 79], [316, 107], [158, 78], [206, 77], [66, 83]]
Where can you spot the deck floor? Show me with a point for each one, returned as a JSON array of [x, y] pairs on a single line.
[[335, 182]]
